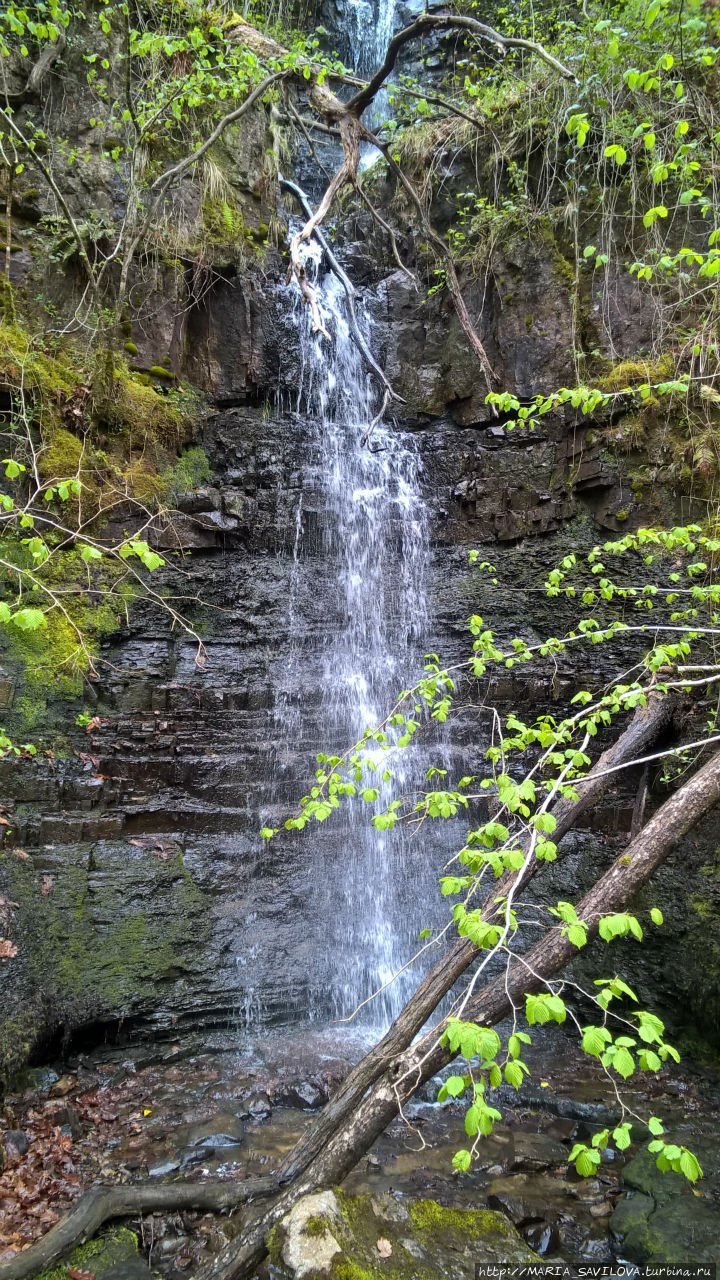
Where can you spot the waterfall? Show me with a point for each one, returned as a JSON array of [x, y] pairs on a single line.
[[368, 529], [370, 25], [369, 28]]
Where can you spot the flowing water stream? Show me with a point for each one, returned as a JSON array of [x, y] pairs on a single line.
[[373, 887]]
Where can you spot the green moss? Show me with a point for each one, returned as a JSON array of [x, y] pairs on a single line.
[[315, 1227], [49, 378], [137, 408], [191, 471], [159, 371], [346, 1269], [87, 952], [434, 1219], [621, 515], [61, 457], [107, 1252], [702, 908], [53, 658], [633, 372], [131, 348]]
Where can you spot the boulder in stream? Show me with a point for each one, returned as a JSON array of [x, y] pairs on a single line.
[[662, 1218], [339, 1237]]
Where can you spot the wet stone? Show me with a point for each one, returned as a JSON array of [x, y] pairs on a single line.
[[163, 1169], [41, 1078], [537, 1151], [17, 1140]]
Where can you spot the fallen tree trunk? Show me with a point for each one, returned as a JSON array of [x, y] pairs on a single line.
[[647, 723], [525, 975]]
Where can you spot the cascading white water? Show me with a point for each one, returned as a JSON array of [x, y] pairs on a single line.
[[375, 886], [369, 26]]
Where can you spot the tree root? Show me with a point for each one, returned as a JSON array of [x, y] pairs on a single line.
[[100, 1204], [347, 285]]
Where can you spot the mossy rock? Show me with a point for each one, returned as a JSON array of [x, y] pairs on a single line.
[[333, 1236], [683, 1230], [113, 1256], [138, 409], [662, 1218], [61, 456], [631, 373]]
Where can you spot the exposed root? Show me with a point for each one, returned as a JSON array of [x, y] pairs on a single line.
[[346, 283], [100, 1204]]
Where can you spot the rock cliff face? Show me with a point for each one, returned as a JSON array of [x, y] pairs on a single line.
[[145, 895], [141, 892]]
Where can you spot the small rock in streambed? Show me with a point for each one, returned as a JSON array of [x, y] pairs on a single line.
[[161, 1170], [69, 1121], [306, 1095], [41, 1079], [17, 1140], [258, 1106]]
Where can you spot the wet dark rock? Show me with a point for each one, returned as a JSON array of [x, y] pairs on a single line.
[[525, 1199], [41, 1078], [307, 1095], [536, 1151], [69, 1121], [199, 500], [16, 1140], [222, 1130], [662, 1218], [162, 1169], [541, 1236], [258, 1106]]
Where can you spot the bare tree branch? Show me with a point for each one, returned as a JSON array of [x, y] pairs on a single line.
[[342, 276]]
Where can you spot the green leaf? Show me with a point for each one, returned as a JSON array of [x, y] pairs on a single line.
[[29, 619], [89, 553], [513, 1074], [655, 1125], [587, 1162], [616, 153], [656, 915], [690, 1166], [594, 1040], [624, 1063], [621, 1136], [462, 1160], [455, 1086]]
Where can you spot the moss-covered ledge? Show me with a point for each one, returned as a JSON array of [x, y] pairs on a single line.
[[103, 929]]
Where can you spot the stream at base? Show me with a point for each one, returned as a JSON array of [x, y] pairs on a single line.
[[203, 1109]]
